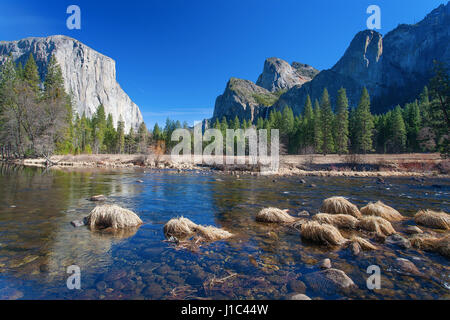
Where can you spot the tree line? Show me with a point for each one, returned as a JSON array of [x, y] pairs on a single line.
[[420, 126], [36, 119]]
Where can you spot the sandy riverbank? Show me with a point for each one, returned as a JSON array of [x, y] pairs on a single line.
[[374, 165]]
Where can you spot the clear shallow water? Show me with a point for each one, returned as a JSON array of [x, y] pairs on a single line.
[[37, 242]]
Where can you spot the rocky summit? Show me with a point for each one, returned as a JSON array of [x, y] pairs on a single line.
[[278, 75], [247, 100], [394, 68], [244, 99], [88, 75]]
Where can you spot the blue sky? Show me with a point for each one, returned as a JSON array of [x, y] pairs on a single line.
[[174, 57]]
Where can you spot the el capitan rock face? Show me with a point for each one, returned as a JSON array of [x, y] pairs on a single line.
[[88, 75], [394, 68]]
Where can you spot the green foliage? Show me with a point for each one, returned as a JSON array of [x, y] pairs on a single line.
[[31, 74], [440, 106], [318, 136], [265, 99], [341, 128], [398, 130], [120, 136], [327, 121], [364, 124]]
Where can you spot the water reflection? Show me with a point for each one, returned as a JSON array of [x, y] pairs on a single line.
[[37, 242]]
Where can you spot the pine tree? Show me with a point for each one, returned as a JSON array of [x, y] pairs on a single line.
[[413, 124], [110, 135], [287, 121], [54, 81], [424, 106], [307, 124], [236, 124], [398, 130], [440, 106], [156, 133], [121, 136], [99, 127], [31, 74], [260, 123], [55, 92], [142, 137], [287, 129], [217, 124], [318, 138], [342, 123], [364, 124], [327, 120]]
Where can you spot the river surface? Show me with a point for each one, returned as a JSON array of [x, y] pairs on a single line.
[[38, 243]]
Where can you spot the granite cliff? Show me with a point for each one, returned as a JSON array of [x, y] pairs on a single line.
[[393, 68], [88, 75]]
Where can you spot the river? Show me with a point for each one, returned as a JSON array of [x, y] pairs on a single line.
[[38, 243]]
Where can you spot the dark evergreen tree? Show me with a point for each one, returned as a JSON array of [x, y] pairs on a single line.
[[341, 128]]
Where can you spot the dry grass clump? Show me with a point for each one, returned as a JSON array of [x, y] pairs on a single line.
[[429, 243], [379, 225], [112, 216], [179, 227], [340, 205], [183, 228], [212, 233], [379, 209], [274, 215], [363, 243], [433, 219], [345, 221], [322, 233]]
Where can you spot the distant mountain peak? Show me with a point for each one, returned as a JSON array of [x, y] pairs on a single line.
[[279, 75]]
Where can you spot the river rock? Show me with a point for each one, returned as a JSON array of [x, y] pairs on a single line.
[[407, 267], [296, 286], [154, 291], [98, 198], [398, 240], [328, 281], [115, 275], [300, 296], [325, 264], [303, 213], [101, 285], [10, 294], [79, 223], [355, 248]]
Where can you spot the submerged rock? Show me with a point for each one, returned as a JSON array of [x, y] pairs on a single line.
[[407, 267], [328, 281], [79, 223], [398, 240], [98, 198], [300, 296], [325, 264], [296, 286], [355, 247]]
